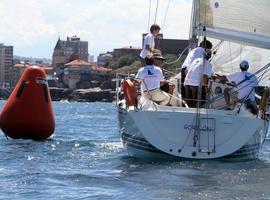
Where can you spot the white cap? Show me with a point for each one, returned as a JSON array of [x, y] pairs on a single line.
[[244, 64]]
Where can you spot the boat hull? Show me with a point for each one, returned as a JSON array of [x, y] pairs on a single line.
[[138, 146]]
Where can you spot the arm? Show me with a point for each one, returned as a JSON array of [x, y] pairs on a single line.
[[205, 83], [137, 82], [205, 80], [162, 82], [161, 78], [138, 77], [152, 50], [221, 78]]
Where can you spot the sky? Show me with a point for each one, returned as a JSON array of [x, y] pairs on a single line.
[[33, 26]]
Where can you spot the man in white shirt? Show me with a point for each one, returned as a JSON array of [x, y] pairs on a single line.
[[149, 43], [150, 78], [198, 73], [193, 55], [244, 81]]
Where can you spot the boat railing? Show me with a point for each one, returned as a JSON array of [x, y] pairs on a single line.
[[208, 103], [121, 77]]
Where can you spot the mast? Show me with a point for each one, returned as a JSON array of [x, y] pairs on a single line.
[[193, 40]]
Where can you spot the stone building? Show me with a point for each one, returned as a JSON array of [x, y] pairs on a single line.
[[6, 65], [74, 70], [65, 50]]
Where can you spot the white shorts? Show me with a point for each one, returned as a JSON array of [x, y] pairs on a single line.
[[158, 96]]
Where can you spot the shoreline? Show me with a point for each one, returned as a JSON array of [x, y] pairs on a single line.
[[78, 95]]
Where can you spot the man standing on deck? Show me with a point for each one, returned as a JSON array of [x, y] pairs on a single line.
[[149, 43], [198, 73], [244, 81], [150, 77], [193, 55]]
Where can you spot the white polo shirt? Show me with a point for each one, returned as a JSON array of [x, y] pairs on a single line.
[[197, 69], [149, 40], [150, 76], [245, 89], [194, 54]]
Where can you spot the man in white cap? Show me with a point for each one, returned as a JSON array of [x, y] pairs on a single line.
[[244, 81]]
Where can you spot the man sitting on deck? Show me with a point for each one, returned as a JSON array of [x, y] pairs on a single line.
[[150, 77], [244, 81]]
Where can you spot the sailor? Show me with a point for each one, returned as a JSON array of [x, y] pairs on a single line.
[[150, 77], [198, 73], [149, 43], [193, 55], [158, 59], [244, 81]]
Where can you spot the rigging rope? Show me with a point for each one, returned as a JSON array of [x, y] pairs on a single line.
[[149, 15], [165, 16], [179, 57], [156, 12]]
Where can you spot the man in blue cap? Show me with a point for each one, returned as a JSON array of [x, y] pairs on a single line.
[[244, 81]]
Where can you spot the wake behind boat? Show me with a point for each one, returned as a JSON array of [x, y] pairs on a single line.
[[210, 132]]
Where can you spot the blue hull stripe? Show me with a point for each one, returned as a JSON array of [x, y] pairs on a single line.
[[142, 144]]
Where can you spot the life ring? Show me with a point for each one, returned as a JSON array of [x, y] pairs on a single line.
[[130, 92]]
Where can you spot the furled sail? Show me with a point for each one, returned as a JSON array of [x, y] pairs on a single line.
[[238, 28]]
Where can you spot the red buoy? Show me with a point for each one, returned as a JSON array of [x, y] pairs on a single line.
[[28, 112]]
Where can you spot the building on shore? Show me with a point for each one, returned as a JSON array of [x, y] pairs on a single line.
[[126, 51], [104, 58], [18, 71], [91, 58], [68, 50], [73, 72], [81, 74], [21, 66], [6, 66], [169, 46]]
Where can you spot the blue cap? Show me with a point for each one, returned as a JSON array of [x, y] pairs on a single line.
[[244, 64]]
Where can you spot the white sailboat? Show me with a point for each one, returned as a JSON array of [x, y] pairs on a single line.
[[239, 30]]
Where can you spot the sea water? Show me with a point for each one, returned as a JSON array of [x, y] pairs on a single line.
[[86, 160]]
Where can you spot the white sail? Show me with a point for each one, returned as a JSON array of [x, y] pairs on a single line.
[[245, 21], [239, 28], [229, 55]]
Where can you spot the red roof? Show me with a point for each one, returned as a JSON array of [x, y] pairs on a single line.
[[78, 62], [20, 65], [101, 69]]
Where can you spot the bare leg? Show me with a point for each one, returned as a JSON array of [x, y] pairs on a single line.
[[194, 90], [227, 96], [183, 90]]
